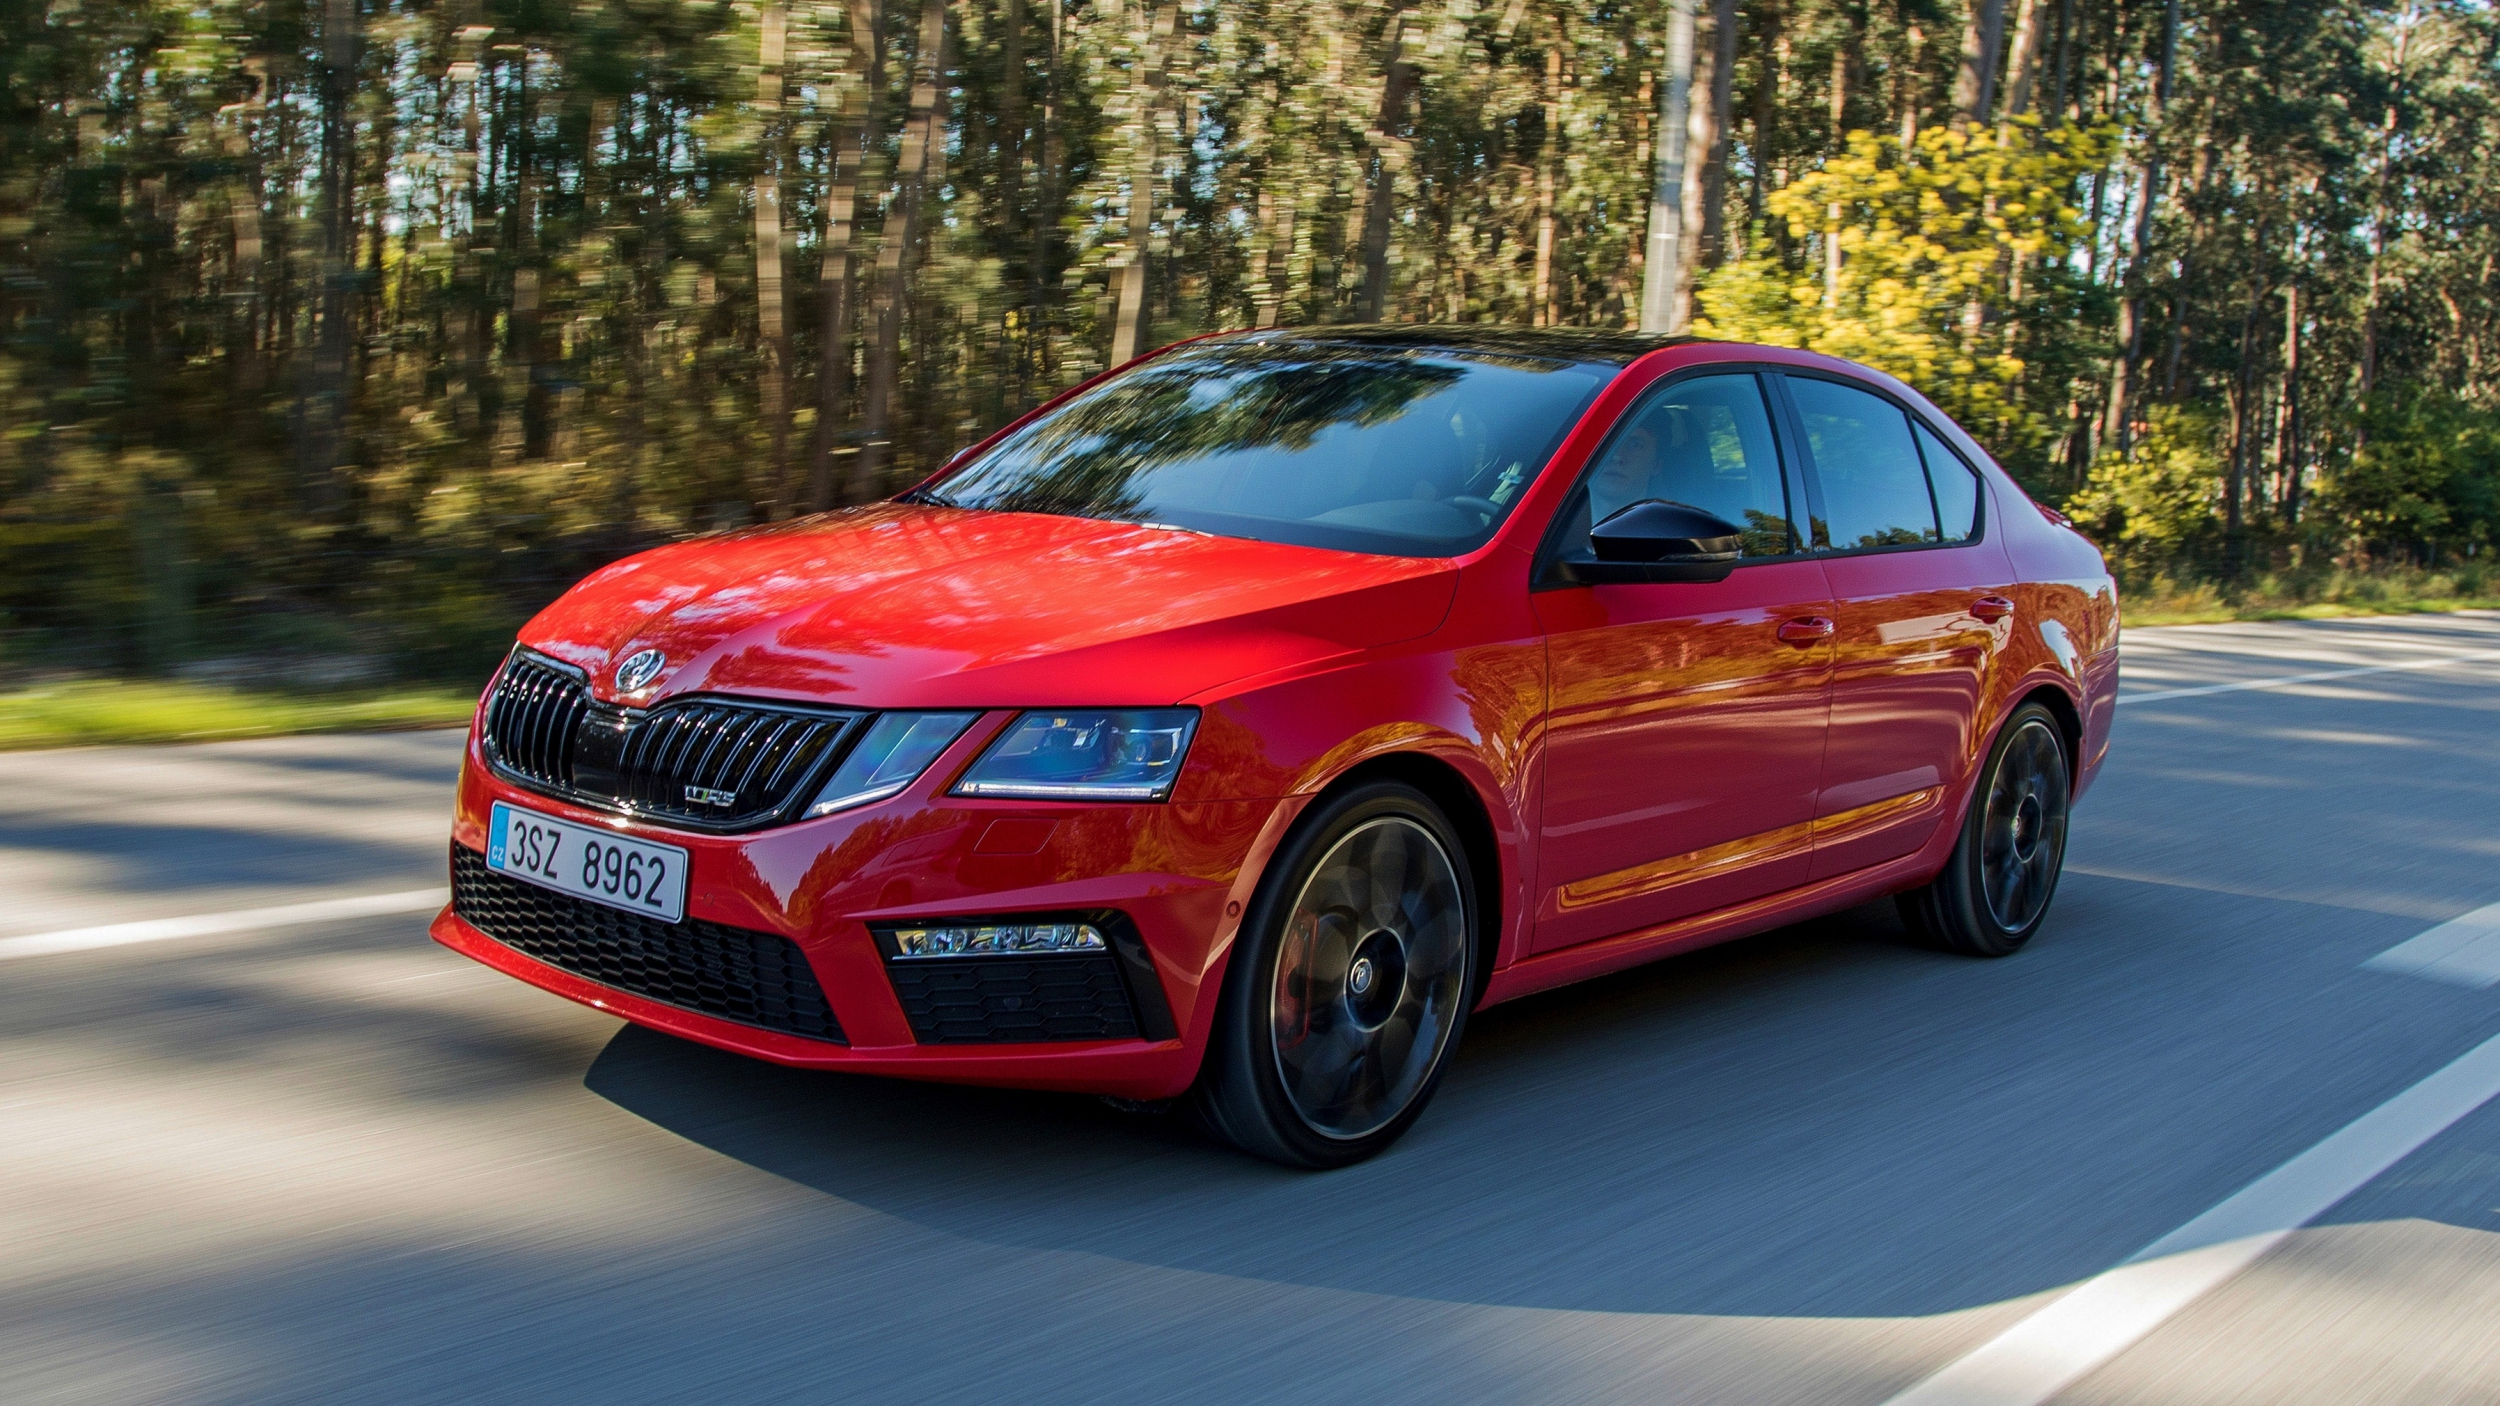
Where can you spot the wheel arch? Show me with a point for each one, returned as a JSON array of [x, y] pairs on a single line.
[[2061, 706], [1448, 788]]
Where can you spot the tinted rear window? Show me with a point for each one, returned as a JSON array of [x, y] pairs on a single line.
[[1957, 489], [1395, 451]]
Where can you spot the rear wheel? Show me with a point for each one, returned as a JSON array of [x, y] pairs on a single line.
[[1348, 986], [1995, 890]]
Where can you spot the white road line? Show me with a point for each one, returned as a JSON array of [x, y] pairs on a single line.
[[2462, 952], [326, 910], [2104, 1315], [2290, 679]]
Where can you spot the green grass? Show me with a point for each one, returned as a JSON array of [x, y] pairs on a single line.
[[96, 711], [2173, 612], [2311, 595]]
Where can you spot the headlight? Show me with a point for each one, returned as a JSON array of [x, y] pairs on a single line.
[[898, 747], [1129, 754]]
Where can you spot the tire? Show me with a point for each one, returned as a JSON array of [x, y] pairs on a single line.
[[1994, 892], [1345, 994]]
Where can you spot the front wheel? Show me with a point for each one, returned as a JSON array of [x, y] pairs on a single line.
[[1995, 890], [1348, 986]]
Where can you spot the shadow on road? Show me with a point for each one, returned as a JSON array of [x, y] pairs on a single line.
[[1704, 1136]]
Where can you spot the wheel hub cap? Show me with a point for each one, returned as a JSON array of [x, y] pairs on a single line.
[[1376, 980]]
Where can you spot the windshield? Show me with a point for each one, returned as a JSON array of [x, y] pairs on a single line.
[[1390, 450]]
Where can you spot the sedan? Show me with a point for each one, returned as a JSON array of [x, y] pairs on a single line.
[[1225, 732]]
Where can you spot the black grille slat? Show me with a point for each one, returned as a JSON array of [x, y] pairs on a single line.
[[801, 751], [532, 720], [781, 729], [754, 978], [543, 728], [727, 739], [1013, 1000]]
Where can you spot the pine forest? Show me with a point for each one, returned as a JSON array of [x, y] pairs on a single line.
[[366, 326]]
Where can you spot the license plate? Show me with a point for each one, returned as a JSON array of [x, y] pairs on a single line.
[[588, 862]]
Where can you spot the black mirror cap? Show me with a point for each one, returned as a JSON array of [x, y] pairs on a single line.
[[1655, 530]]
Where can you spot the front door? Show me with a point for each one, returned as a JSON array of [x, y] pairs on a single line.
[[1685, 734], [1922, 610]]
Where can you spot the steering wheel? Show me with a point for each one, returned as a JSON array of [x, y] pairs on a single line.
[[1485, 508]]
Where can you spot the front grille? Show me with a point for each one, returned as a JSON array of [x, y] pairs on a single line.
[[1007, 1000], [532, 719], [704, 763], [753, 978]]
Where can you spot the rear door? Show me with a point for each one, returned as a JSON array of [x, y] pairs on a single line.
[[1685, 736], [1918, 583]]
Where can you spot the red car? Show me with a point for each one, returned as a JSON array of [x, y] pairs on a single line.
[[1231, 727]]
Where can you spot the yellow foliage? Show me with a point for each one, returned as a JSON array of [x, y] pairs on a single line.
[[1934, 252]]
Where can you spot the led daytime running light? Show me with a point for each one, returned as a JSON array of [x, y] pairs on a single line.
[[997, 940]]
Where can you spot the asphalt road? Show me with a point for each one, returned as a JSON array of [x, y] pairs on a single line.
[[333, 1162]]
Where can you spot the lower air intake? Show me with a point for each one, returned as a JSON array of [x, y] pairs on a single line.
[[753, 978], [1013, 1000]]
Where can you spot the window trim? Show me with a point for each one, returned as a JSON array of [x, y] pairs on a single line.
[[1813, 475], [1979, 482], [1544, 574]]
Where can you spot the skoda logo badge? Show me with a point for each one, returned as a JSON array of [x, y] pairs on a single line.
[[639, 668]]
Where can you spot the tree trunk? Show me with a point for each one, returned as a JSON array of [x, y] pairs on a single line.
[[1766, 97], [1662, 277], [246, 199], [1975, 85], [2240, 467], [2130, 309], [1548, 159], [852, 108], [2022, 64], [2290, 454], [1701, 153], [1045, 195], [1388, 157], [772, 339], [1145, 81], [1908, 95], [2378, 202], [2065, 45], [1011, 189], [322, 414], [1839, 142], [922, 134], [1713, 217]]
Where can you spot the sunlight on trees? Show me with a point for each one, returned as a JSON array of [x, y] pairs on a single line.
[[1940, 258]]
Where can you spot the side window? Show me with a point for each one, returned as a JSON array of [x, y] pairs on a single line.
[[1957, 488], [1874, 489], [1705, 443]]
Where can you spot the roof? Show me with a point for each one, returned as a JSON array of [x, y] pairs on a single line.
[[1561, 343]]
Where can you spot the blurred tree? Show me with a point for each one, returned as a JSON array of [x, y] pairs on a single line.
[[376, 320]]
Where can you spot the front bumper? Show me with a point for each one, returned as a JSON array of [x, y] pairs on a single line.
[[1178, 873]]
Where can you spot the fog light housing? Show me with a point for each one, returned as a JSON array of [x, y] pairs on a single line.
[[996, 940]]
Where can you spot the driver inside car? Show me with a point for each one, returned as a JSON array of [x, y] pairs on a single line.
[[1628, 475]]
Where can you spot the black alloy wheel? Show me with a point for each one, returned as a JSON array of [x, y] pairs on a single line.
[[1348, 985], [1994, 892]]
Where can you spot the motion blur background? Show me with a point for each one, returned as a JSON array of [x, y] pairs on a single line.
[[336, 337]]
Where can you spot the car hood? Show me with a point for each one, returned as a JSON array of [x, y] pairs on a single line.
[[907, 606]]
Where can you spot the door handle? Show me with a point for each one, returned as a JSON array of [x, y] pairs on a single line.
[[1806, 629], [1991, 608]]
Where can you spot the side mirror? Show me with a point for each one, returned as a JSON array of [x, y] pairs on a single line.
[[1655, 540]]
